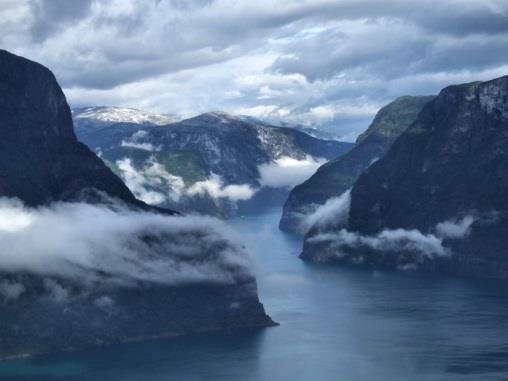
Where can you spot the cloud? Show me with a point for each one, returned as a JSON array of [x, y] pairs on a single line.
[[49, 16], [135, 141], [215, 188], [11, 290], [455, 228], [95, 245], [388, 241], [399, 240], [287, 171], [154, 185], [334, 211], [309, 62]]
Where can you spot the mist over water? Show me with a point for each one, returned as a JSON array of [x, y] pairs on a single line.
[[336, 324]]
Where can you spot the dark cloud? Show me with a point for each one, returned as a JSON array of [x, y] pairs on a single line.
[[388, 49], [50, 15]]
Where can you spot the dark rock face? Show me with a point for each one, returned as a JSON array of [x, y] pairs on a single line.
[[212, 144], [44, 310], [36, 324], [40, 158], [449, 166], [335, 177]]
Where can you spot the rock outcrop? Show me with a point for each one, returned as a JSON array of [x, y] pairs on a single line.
[[40, 158], [438, 200]]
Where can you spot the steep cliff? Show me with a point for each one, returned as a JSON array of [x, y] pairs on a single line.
[[335, 177], [438, 200], [40, 158], [83, 262]]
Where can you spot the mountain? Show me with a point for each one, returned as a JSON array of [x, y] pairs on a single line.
[[101, 116], [313, 131], [438, 200], [83, 261], [214, 163], [335, 177], [40, 158]]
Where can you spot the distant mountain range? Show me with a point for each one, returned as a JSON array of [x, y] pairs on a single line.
[[214, 163], [437, 200]]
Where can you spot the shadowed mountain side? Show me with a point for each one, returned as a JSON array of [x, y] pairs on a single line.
[[335, 177]]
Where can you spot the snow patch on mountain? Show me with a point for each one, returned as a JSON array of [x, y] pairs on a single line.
[[111, 115]]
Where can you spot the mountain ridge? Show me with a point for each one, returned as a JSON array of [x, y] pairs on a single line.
[[219, 151], [437, 200], [338, 175]]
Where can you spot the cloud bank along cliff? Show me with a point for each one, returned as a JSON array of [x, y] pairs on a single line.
[[214, 163], [115, 246], [82, 257], [438, 199]]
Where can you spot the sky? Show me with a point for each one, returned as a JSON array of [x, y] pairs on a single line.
[[326, 63]]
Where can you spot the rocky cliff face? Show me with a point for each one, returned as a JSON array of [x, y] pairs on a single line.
[[214, 163], [438, 200], [75, 274], [40, 158], [335, 177]]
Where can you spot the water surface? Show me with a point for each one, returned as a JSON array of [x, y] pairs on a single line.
[[336, 324]]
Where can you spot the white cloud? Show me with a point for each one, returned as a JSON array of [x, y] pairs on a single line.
[[135, 141], [322, 112], [334, 211], [114, 246], [143, 146], [396, 240], [215, 187], [154, 185], [455, 228], [287, 171], [142, 184]]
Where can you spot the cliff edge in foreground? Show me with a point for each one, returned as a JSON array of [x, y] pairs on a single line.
[[82, 261]]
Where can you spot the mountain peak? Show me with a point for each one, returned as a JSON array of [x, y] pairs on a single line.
[[41, 159], [222, 116], [393, 118], [113, 114], [213, 118]]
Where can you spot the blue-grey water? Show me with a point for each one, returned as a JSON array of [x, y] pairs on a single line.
[[336, 324]]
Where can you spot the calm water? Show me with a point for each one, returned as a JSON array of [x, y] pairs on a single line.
[[336, 324]]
